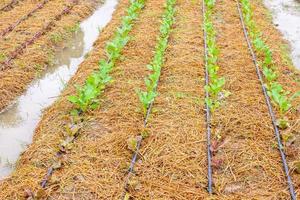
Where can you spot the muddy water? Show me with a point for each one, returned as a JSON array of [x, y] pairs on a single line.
[[18, 121], [286, 15]]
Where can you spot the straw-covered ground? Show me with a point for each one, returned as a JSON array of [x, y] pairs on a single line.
[[290, 78], [4, 3], [250, 167], [106, 140], [172, 161], [8, 4], [35, 58], [173, 164]]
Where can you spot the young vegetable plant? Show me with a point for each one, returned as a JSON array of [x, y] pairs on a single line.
[[87, 95], [278, 95], [148, 96], [216, 84]]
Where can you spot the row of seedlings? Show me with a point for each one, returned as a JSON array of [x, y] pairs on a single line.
[[148, 96], [281, 98], [214, 85], [87, 97], [6, 63], [11, 27], [273, 91]]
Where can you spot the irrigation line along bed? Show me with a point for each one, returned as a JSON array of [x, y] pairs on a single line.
[[10, 5], [138, 145], [149, 108], [20, 49], [126, 21], [11, 27], [208, 113], [271, 112]]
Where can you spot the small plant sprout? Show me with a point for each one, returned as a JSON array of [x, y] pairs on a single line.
[[279, 96], [87, 95], [74, 28], [148, 96], [2, 57], [216, 84], [56, 38]]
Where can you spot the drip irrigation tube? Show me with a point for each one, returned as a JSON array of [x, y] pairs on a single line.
[[58, 156], [20, 49], [10, 5], [62, 151], [140, 138], [139, 141], [208, 113], [46, 178], [271, 112], [11, 27]]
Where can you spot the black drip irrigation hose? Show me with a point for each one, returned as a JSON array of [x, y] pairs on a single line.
[[271, 112], [11, 27], [20, 49], [10, 5], [208, 113], [138, 146], [46, 178]]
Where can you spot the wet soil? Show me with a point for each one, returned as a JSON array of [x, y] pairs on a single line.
[[18, 121], [40, 55]]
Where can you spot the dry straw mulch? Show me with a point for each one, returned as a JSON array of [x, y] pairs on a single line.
[[103, 155], [95, 167], [9, 3], [10, 17], [37, 57], [290, 78], [251, 164], [173, 164]]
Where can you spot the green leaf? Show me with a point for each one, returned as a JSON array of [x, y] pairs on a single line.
[[73, 99]]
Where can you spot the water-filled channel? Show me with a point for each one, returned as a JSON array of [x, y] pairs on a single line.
[[286, 15], [18, 121]]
